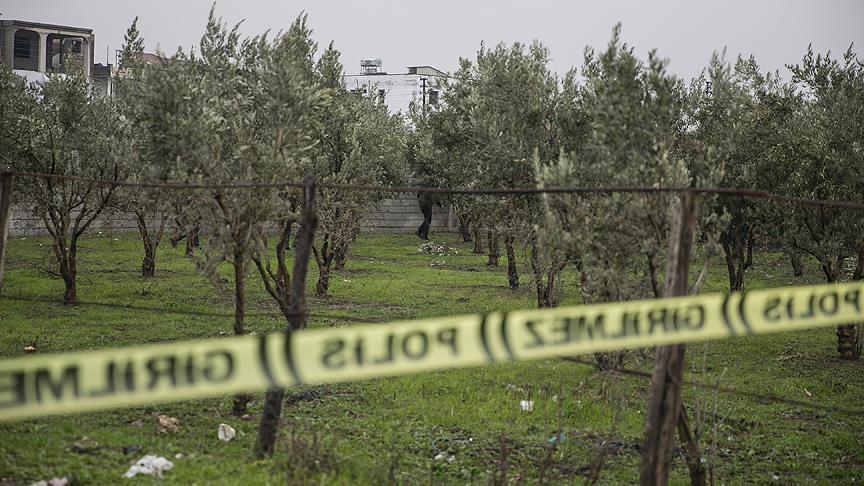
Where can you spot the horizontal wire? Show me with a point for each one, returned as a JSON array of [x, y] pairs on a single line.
[[723, 191], [732, 391]]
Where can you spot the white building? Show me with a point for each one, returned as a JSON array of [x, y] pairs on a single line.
[[421, 84], [44, 48]]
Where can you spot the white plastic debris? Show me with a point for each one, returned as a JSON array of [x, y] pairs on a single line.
[[226, 432], [149, 465], [64, 481], [527, 405]]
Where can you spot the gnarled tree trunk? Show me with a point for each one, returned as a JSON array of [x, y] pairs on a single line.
[[478, 242], [494, 249], [797, 262], [737, 244], [464, 227], [544, 279], [150, 243], [340, 256], [295, 310], [241, 400], [512, 270]]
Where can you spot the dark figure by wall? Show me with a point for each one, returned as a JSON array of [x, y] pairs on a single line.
[[426, 200]]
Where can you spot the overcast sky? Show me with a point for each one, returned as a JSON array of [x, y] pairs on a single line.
[[436, 33]]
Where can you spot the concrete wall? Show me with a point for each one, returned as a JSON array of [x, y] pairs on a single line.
[[399, 89], [400, 215]]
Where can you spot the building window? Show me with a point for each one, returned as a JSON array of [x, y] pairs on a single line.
[[381, 94], [433, 96], [23, 49]]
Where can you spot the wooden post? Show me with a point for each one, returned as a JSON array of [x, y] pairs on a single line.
[[271, 416], [664, 404], [5, 217]]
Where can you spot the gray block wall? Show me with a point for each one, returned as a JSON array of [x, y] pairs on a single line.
[[398, 215]]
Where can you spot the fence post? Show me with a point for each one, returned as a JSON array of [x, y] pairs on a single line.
[[268, 425], [664, 404], [6, 179]]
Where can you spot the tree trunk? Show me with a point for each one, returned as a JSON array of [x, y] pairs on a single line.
[[478, 242], [148, 264], [340, 255], [797, 263], [512, 270], [737, 242], [464, 227], [847, 336], [545, 287], [664, 404], [192, 241], [67, 266], [268, 425], [6, 184], [240, 400], [858, 274], [323, 284], [494, 249], [271, 416], [692, 453], [70, 283], [150, 243]]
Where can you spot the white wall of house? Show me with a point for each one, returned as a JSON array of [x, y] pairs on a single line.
[[399, 90], [32, 46]]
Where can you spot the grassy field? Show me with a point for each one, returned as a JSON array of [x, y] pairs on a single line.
[[454, 427]]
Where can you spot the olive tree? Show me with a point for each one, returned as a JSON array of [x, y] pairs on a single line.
[[150, 207], [361, 143], [819, 145], [729, 124], [238, 117], [634, 115], [513, 119], [61, 129], [442, 147]]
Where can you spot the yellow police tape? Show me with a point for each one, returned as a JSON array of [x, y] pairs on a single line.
[[91, 380]]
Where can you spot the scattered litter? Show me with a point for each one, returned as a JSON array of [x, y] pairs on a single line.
[[775, 477], [246, 417], [137, 423], [527, 405], [80, 448], [443, 455], [809, 395], [438, 249], [29, 349], [149, 465], [165, 424], [64, 481], [347, 280], [131, 449], [557, 438], [437, 263], [179, 455], [226, 432]]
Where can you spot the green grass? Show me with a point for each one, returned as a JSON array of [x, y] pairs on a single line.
[[391, 430]]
